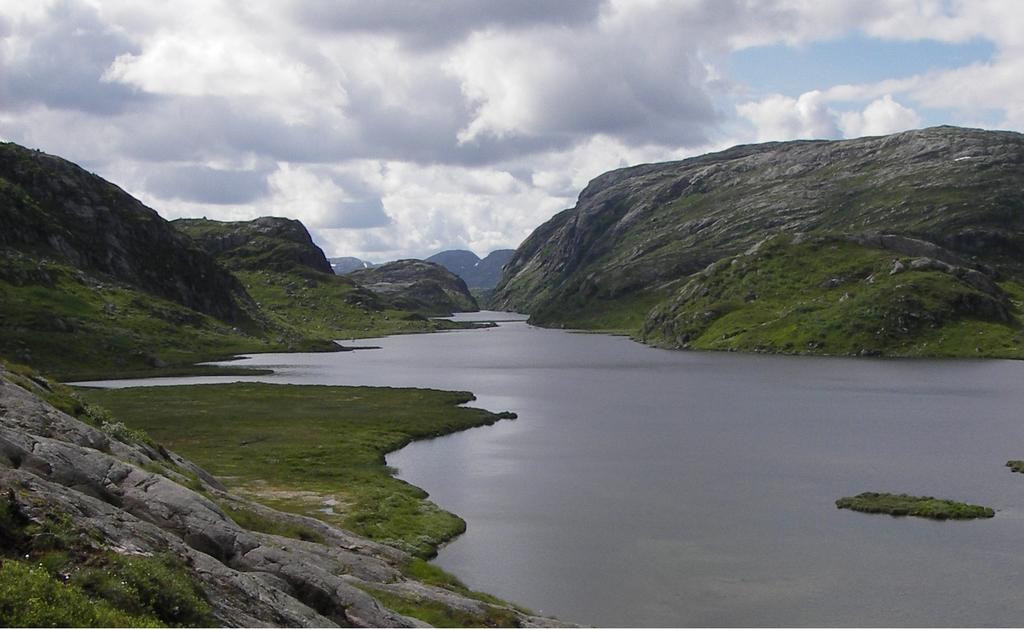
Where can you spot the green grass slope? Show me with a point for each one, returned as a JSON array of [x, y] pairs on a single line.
[[831, 296], [327, 306], [72, 325]]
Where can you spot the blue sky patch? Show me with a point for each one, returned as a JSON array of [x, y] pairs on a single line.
[[794, 70]]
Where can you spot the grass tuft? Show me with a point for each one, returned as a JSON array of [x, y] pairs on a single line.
[[256, 522], [30, 597], [441, 616], [53, 574]]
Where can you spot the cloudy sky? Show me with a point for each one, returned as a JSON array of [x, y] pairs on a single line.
[[396, 129]]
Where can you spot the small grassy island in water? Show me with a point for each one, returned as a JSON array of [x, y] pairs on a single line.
[[1016, 465], [907, 505]]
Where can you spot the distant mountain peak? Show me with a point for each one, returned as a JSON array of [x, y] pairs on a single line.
[[479, 273]]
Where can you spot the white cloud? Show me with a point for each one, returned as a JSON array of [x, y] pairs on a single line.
[[779, 117], [880, 117], [396, 128], [811, 116], [609, 78]]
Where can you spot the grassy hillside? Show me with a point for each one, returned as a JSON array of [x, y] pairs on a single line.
[[631, 255], [326, 306], [830, 296], [93, 283], [291, 280], [74, 326]]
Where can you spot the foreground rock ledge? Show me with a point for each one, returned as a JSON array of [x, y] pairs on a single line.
[[52, 463]]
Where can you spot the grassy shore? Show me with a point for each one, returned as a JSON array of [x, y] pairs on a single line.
[[313, 450], [907, 505]]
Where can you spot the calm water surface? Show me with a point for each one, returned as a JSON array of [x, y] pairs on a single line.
[[657, 488]]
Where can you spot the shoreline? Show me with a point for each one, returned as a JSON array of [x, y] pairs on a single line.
[[358, 452]]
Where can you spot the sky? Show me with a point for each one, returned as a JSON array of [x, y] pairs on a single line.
[[398, 129]]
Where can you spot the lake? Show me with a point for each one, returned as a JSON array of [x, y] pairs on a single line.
[[645, 487]]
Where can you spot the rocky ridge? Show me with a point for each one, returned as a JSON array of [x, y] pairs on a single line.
[[122, 495], [273, 243], [416, 285], [637, 235], [53, 209]]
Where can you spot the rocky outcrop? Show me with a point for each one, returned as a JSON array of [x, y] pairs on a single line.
[[51, 208], [272, 243], [128, 497], [636, 231], [416, 285]]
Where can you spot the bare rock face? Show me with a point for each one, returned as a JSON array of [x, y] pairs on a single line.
[[417, 285], [635, 230], [52, 208], [132, 498], [273, 243]]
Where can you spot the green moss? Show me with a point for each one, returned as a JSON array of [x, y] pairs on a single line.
[[441, 616], [54, 574], [313, 450], [907, 505], [31, 597], [622, 315], [422, 571], [254, 521], [12, 524], [828, 296], [1016, 465], [151, 586]]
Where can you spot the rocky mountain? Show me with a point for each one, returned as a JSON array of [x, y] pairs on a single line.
[[416, 285], [99, 526], [939, 209], [93, 283], [478, 273], [345, 264], [296, 287], [52, 209], [266, 243]]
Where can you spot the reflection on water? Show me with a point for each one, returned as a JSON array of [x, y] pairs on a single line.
[[648, 487]]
